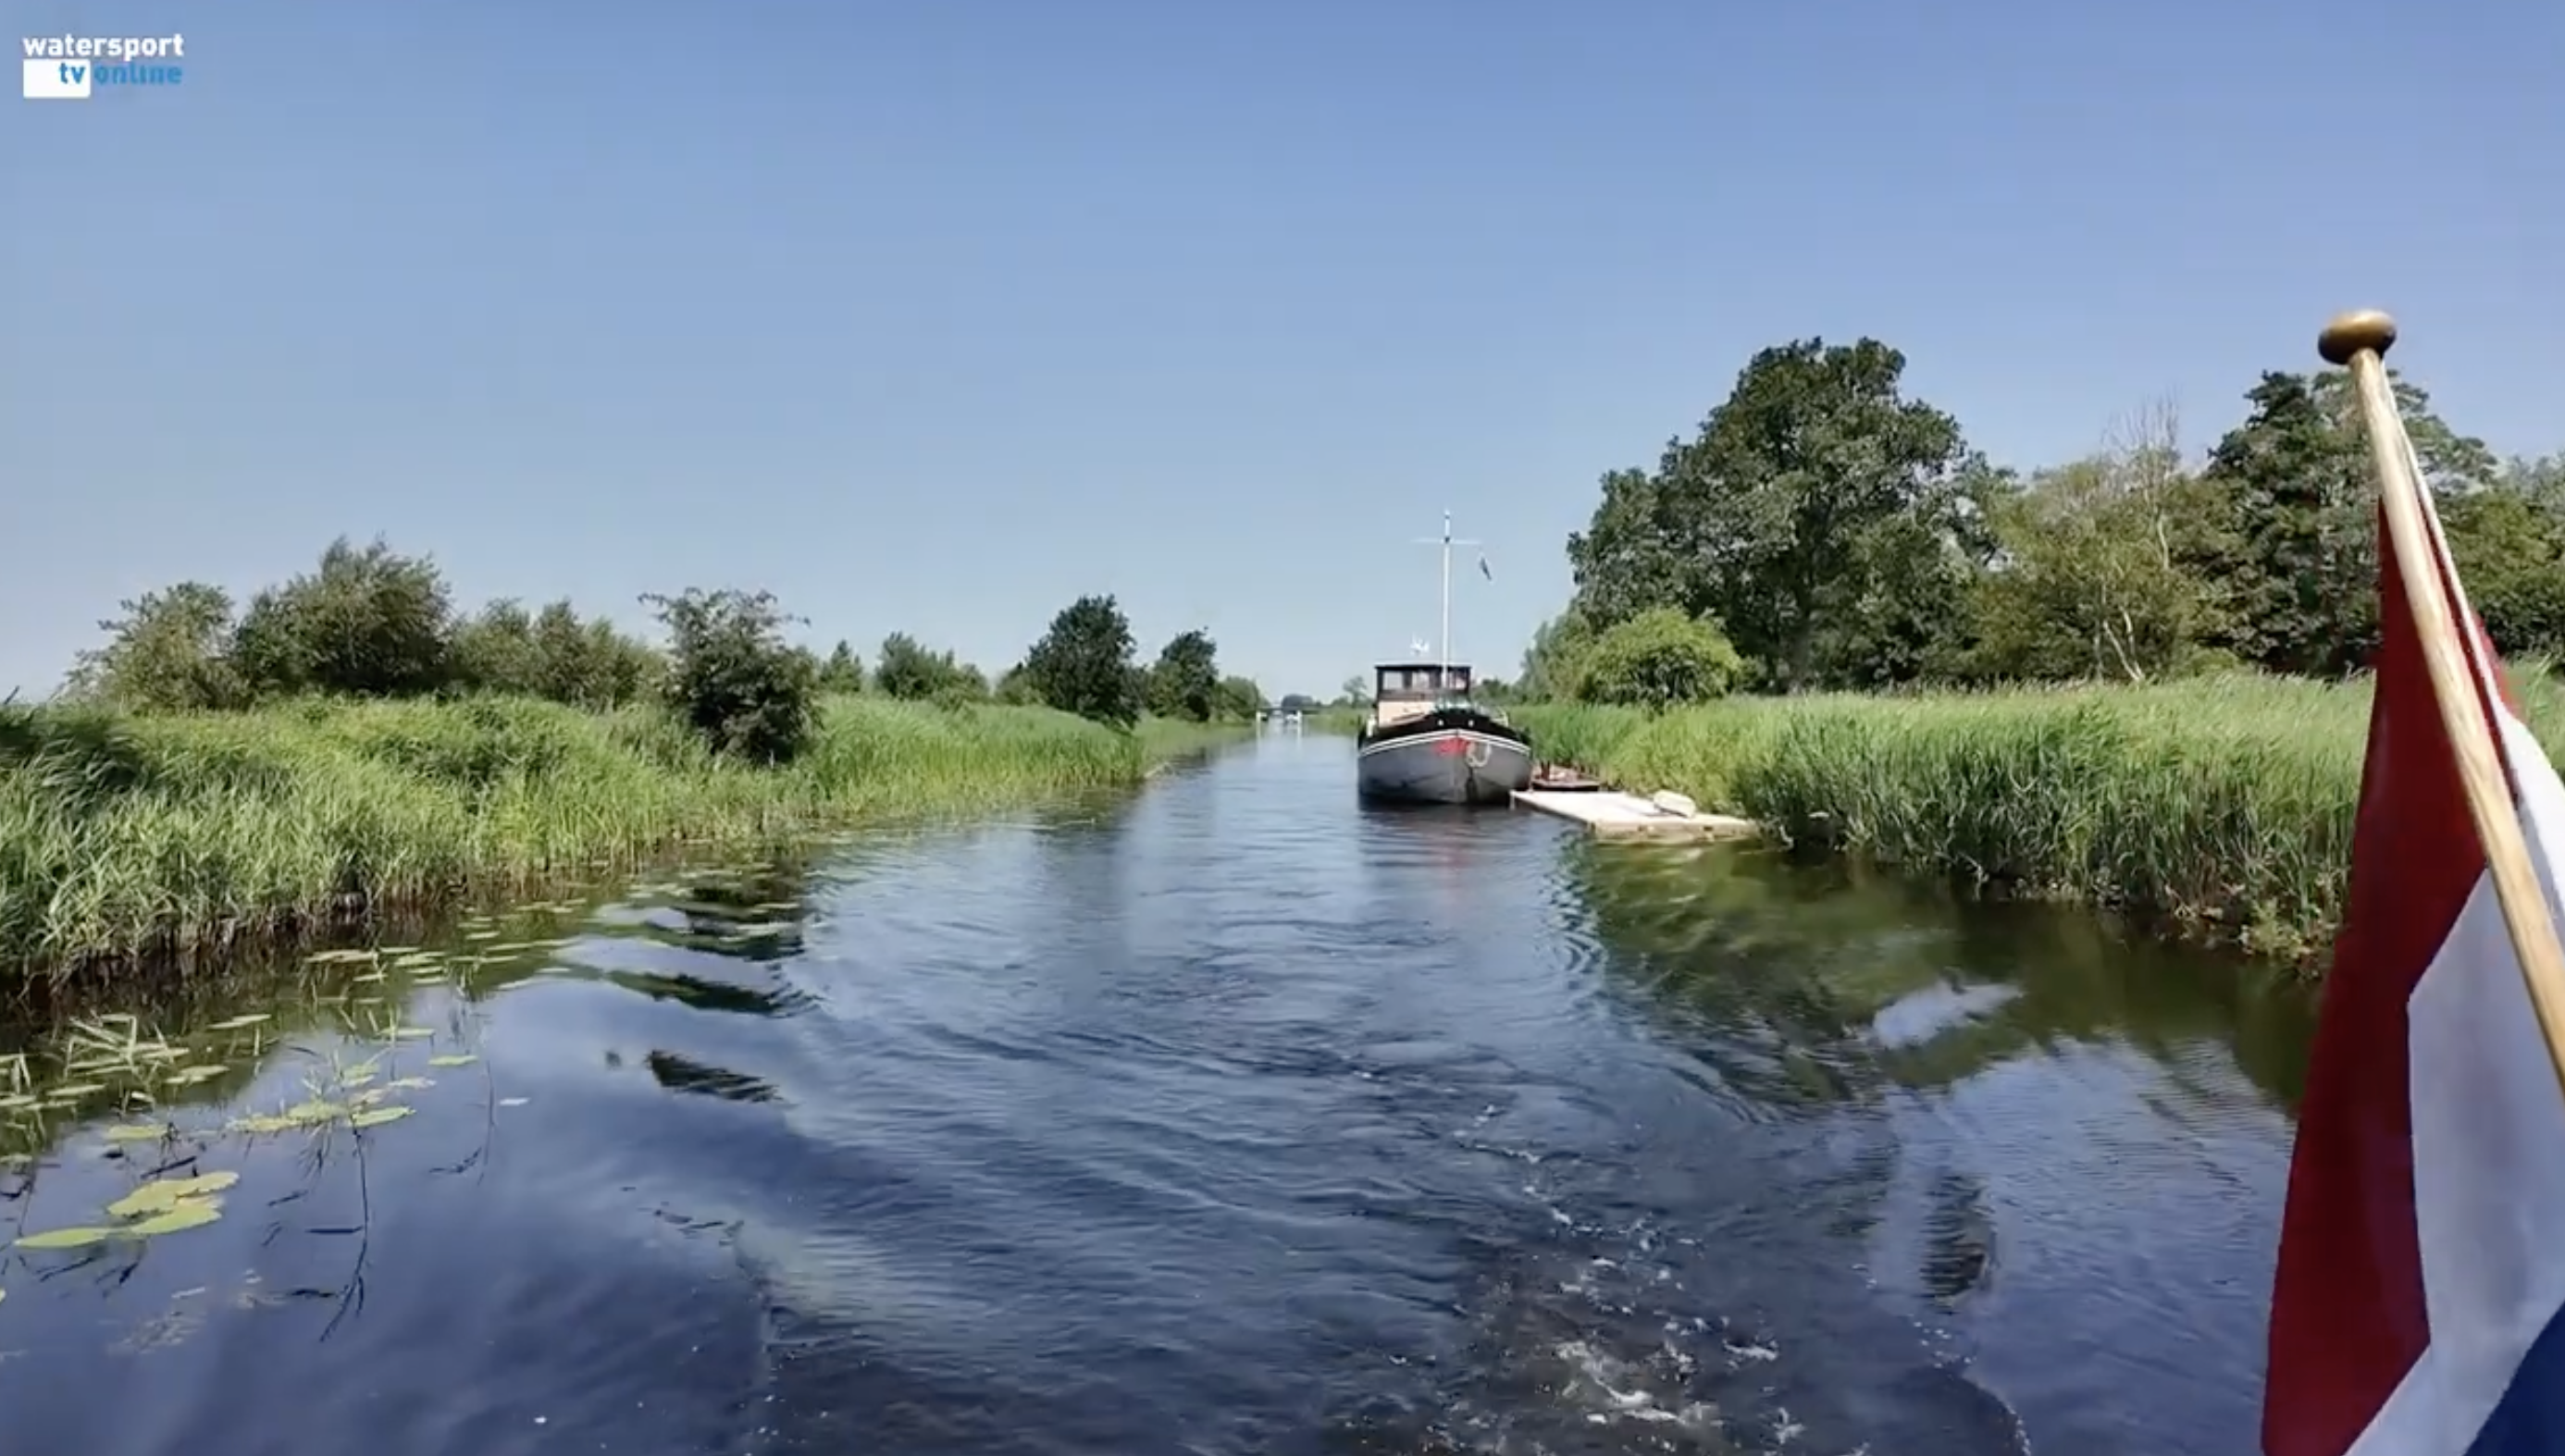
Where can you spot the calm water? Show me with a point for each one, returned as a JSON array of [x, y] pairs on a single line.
[[1226, 1119]]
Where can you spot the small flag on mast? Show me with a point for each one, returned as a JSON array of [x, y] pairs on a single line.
[[1484, 569], [2420, 1302]]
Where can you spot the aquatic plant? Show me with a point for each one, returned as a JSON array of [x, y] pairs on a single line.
[[2221, 807], [124, 837]]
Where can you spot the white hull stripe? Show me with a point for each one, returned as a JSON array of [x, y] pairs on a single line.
[[1416, 740]]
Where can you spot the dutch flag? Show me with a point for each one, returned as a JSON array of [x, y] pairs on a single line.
[[2421, 1268]]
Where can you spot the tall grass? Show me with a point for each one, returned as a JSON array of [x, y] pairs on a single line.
[[2221, 805], [125, 836]]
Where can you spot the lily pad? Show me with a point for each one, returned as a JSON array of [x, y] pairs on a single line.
[[407, 1084], [188, 1076], [315, 1111], [452, 1059], [348, 956], [262, 1122], [136, 1133], [377, 1116], [164, 1194], [67, 1238], [512, 1101], [187, 1213], [412, 1033]]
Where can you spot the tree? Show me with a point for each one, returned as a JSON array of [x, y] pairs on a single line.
[[1556, 655], [1082, 663], [551, 654], [2291, 534], [1016, 690], [2087, 581], [906, 670], [1356, 693], [2452, 463], [963, 683], [2541, 479], [1659, 659], [1186, 680], [2510, 547], [843, 671], [587, 664], [1238, 697], [494, 650], [1824, 518], [732, 678], [368, 623], [617, 667], [2283, 524], [166, 654]]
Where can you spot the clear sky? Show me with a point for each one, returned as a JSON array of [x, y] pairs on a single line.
[[931, 316]]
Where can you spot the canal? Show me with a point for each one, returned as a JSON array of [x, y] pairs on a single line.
[[1227, 1118]]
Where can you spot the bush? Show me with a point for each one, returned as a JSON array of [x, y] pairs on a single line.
[[551, 654], [912, 674], [843, 671], [169, 653], [1658, 659], [367, 624], [732, 678], [1238, 697]]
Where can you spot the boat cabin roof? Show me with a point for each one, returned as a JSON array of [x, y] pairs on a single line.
[[1419, 681]]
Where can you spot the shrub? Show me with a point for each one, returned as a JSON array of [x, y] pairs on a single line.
[[732, 678], [368, 624], [1658, 659]]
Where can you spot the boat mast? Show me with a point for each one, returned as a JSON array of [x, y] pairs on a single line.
[[1443, 670], [1443, 666]]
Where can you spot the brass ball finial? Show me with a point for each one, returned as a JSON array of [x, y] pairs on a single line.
[[2349, 334]]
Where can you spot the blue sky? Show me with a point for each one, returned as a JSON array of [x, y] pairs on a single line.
[[932, 317]]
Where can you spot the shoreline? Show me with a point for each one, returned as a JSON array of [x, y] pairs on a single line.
[[2212, 810], [150, 845]]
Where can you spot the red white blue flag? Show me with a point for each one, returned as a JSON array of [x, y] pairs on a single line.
[[2421, 1268]]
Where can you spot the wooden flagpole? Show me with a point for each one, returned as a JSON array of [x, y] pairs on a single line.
[[2359, 342]]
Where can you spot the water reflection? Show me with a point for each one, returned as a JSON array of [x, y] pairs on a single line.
[[680, 1073], [1230, 1117], [1921, 987]]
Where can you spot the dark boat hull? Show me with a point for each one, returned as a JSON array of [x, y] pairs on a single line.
[[1444, 757]]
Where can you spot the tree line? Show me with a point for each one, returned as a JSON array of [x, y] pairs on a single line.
[[373, 623], [1824, 530]]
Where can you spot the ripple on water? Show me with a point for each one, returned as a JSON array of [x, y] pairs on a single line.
[[1230, 1119]]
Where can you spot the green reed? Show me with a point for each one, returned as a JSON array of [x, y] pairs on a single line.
[[124, 836], [2221, 806]]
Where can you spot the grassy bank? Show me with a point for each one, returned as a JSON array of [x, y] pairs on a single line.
[[2221, 806], [129, 835]]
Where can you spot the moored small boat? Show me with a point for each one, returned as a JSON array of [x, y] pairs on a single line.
[[1427, 742]]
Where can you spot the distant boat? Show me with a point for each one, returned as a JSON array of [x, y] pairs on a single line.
[[1427, 741]]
